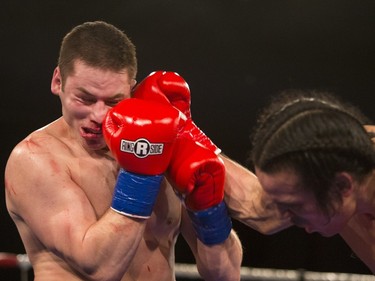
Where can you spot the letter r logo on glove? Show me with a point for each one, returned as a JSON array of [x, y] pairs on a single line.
[[141, 148]]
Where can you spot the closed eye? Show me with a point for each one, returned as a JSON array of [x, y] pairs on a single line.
[[87, 100], [112, 103]]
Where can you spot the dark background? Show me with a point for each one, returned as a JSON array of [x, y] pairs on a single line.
[[234, 54]]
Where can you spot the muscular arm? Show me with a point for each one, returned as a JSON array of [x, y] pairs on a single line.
[[57, 212], [247, 202], [217, 262]]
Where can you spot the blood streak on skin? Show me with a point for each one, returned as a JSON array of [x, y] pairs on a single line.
[[30, 143], [116, 228], [54, 166]]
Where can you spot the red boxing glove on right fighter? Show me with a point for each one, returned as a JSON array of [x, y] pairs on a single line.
[[195, 171], [170, 87], [197, 175]]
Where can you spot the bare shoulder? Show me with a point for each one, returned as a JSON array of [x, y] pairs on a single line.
[[371, 131], [370, 128], [359, 234], [30, 153], [33, 160]]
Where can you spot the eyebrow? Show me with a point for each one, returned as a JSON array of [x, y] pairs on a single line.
[[116, 96]]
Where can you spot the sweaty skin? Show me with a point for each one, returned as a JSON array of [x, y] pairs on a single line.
[[59, 185]]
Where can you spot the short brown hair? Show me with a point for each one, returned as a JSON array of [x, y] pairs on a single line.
[[98, 44]]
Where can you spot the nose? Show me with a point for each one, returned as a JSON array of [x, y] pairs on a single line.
[[99, 111]]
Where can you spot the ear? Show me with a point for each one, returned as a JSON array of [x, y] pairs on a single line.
[[132, 83], [345, 183], [56, 83]]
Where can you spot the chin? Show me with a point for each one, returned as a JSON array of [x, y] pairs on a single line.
[[94, 146], [326, 233], [99, 147]]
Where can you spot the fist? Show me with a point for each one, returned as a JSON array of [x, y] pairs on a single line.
[[141, 135], [166, 87], [197, 175], [170, 88]]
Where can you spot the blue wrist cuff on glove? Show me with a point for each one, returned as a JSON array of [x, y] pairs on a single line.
[[212, 225], [135, 195]]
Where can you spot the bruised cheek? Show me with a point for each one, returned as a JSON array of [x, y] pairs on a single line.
[[74, 110]]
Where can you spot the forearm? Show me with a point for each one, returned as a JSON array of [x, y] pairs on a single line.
[[248, 203], [117, 234], [219, 261], [107, 247], [222, 261]]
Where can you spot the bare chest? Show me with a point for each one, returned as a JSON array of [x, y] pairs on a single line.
[[98, 179]]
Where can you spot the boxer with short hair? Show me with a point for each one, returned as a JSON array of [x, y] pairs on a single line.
[[314, 156], [88, 192]]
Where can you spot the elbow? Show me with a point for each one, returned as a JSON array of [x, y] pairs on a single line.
[[99, 273], [105, 275]]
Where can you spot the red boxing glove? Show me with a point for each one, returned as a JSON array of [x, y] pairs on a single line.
[[141, 135], [166, 87], [195, 171], [170, 87], [197, 175]]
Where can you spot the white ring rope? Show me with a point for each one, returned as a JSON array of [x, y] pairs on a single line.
[[21, 261], [189, 271]]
